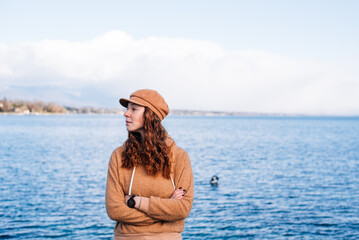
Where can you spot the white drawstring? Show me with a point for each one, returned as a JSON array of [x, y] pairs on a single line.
[[133, 174], [173, 183]]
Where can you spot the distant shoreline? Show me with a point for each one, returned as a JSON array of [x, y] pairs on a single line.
[[185, 113], [19, 107]]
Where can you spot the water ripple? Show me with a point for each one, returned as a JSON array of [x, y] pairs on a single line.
[[280, 178]]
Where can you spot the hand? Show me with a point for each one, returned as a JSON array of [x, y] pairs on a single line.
[[178, 193]]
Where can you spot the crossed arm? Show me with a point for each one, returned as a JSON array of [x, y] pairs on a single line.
[[115, 200], [152, 209]]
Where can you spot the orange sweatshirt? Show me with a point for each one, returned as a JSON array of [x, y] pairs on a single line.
[[158, 213]]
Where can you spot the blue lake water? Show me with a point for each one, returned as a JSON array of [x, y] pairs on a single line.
[[280, 177]]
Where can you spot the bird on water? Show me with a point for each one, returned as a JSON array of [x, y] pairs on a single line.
[[214, 180]]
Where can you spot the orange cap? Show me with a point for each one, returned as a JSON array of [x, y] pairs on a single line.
[[148, 98]]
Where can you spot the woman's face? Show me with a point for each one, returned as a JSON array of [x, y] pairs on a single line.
[[134, 117]]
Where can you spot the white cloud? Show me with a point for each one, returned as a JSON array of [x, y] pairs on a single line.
[[191, 74]]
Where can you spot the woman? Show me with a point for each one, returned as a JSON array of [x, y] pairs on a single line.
[[149, 190]]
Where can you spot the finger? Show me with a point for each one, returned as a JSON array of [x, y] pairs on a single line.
[[179, 197], [175, 192], [180, 194]]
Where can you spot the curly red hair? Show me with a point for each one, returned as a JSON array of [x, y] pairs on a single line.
[[152, 152]]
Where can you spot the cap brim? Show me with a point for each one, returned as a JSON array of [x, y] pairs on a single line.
[[124, 102]]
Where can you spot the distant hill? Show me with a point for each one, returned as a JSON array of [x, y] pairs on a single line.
[[221, 113]]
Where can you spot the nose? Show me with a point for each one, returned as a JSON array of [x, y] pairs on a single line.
[[127, 114]]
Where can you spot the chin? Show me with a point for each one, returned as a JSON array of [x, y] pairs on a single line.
[[132, 130]]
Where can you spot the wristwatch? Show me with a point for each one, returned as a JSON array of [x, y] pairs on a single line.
[[131, 202]]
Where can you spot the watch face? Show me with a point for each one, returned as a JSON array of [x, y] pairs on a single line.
[[131, 202]]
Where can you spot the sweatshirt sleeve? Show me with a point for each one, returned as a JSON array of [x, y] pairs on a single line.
[[173, 209], [115, 200]]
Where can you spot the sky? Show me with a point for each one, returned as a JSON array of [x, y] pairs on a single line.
[[295, 57]]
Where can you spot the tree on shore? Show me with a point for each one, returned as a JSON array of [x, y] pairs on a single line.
[[30, 107], [54, 108], [6, 106], [27, 107]]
